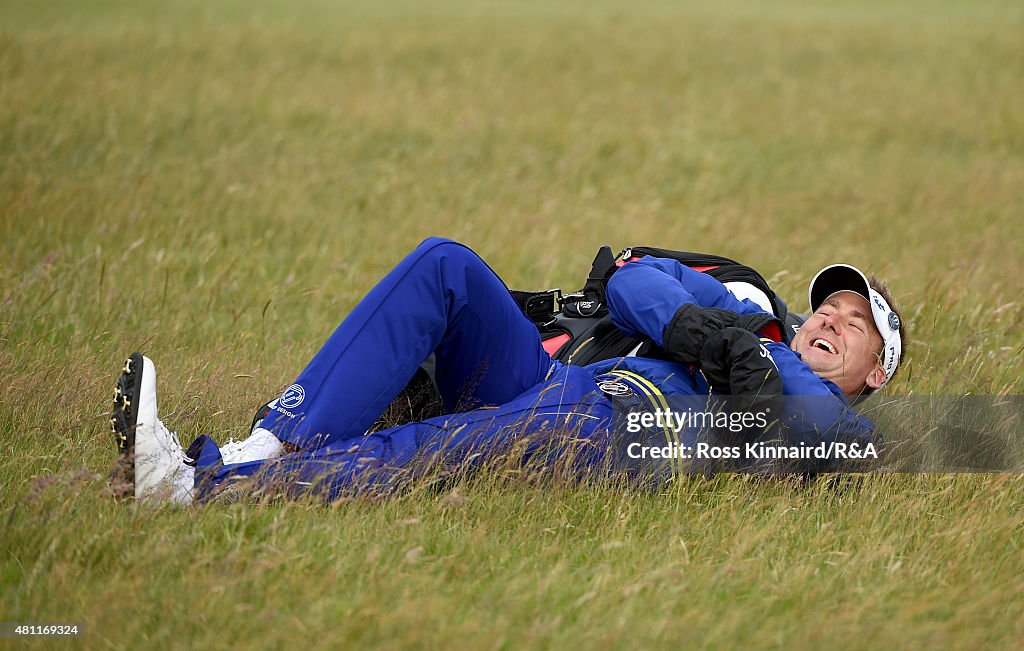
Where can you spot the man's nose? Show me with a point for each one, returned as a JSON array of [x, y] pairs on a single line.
[[834, 322]]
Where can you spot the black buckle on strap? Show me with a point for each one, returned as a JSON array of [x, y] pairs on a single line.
[[543, 306]]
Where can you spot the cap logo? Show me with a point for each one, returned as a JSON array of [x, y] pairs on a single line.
[[894, 322]]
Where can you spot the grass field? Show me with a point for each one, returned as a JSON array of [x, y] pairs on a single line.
[[217, 184]]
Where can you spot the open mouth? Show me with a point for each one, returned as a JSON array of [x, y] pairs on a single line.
[[824, 345]]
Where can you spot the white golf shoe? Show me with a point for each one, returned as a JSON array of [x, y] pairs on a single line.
[[261, 445], [152, 459]]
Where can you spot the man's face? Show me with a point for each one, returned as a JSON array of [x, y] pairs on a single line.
[[840, 343]]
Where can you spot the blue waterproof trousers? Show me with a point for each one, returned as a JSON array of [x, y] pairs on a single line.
[[442, 299]]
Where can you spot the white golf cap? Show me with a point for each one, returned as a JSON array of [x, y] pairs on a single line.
[[847, 278]]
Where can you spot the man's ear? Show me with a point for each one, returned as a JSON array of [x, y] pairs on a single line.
[[876, 377]]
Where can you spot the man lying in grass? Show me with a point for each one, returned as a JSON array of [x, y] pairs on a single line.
[[444, 300]]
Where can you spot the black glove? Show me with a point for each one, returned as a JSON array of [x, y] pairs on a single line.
[[736, 363], [685, 335]]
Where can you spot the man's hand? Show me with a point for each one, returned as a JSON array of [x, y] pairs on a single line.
[[685, 335], [727, 349], [736, 363]]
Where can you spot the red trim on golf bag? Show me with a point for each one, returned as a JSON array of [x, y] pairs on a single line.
[[552, 344], [700, 268]]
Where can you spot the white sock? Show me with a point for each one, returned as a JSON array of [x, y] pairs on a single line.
[[261, 444]]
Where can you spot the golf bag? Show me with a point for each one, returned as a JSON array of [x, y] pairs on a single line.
[[576, 327]]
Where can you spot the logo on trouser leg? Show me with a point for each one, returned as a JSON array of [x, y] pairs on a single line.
[[293, 396]]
